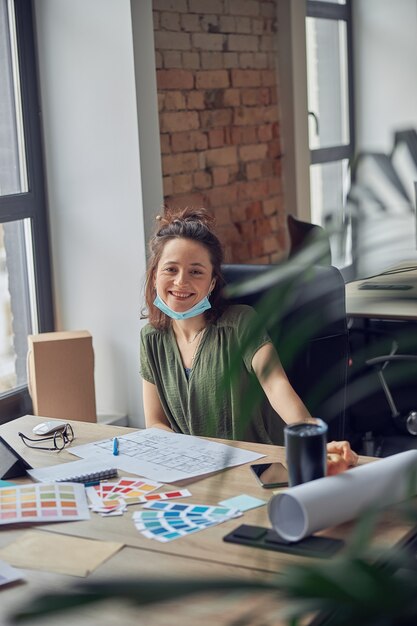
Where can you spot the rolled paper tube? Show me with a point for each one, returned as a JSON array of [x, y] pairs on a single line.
[[304, 509]]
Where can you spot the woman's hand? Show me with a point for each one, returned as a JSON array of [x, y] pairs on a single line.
[[340, 457]]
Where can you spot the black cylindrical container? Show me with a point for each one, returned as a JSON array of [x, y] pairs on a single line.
[[305, 447]]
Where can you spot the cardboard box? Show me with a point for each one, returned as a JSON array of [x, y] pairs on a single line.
[[61, 375]]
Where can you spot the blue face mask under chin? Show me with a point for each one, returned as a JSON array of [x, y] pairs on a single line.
[[195, 310]]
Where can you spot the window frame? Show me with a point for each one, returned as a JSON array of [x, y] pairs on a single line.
[[333, 11], [30, 204]]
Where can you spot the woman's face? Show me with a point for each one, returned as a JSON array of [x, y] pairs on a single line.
[[184, 274]]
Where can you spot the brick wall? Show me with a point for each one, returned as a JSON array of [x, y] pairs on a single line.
[[219, 119]]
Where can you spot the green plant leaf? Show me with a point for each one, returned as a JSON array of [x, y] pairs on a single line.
[[140, 592]]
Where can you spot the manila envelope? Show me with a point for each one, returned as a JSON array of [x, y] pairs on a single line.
[[58, 553]]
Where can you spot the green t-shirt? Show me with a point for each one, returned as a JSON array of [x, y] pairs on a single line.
[[222, 396]]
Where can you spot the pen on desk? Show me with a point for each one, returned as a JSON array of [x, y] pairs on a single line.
[[115, 446]]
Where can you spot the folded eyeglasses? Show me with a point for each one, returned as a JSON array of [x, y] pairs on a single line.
[[59, 439]]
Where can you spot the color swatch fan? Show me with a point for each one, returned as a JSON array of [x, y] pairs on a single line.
[[109, 498], [165, 521]]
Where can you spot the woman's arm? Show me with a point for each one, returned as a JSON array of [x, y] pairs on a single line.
[[277, 388], [154, 413], [287, 404]]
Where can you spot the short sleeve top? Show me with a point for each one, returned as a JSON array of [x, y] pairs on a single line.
[[222, 396]]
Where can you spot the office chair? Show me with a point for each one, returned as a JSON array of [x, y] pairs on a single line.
[[303, 234], [304, 312], [382, 407], [406, 423]]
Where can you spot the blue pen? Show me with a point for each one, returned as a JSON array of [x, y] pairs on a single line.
[[115, 446]]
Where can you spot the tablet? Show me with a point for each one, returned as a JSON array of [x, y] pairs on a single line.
[[12, 464]]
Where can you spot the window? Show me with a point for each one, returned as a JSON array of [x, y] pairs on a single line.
[[330, 110], [25, 283]]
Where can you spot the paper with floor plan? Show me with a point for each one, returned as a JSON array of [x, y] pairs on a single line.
[[305, 509], [166, 457]]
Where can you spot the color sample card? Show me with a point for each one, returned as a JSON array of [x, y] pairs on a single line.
[[56, 502], [106, 508], [167, 495], [129, 489], [243, 502], [115, 507], [166, 521], [6, 483], [111, 498]]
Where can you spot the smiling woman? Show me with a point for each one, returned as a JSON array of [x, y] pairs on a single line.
[[206, 365], [183, 279], [184, 247]]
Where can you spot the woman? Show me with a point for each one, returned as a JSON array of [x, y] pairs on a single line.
[[203, 362]]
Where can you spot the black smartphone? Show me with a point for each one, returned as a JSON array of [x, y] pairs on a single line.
[[271, 475]]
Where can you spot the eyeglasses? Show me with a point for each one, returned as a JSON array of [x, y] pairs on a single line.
[[60, 439]]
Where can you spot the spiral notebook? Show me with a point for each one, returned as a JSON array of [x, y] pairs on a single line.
[[82, 471]]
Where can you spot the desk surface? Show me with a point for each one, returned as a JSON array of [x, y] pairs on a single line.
[[385, 304], [203, 554]]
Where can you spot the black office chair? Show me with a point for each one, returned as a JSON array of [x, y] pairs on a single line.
[[304, 312], [406, 423], [382, 406], [305, 234]]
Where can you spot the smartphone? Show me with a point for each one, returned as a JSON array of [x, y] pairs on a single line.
[[271, 475]]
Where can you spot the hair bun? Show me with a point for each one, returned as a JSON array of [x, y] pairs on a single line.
[[182, 216]]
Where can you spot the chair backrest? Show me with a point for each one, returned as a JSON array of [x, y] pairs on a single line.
[[305, 315], [304, 234]]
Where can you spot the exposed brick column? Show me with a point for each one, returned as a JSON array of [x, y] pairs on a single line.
[[219, 119]]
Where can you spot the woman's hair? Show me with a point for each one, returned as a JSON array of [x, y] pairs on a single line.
[[196, 225]]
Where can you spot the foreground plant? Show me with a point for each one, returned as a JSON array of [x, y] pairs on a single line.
[[360, 587]]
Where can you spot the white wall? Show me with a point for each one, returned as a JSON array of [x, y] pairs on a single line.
[[293, 104], [95, 197], [385, 66], [147, 111]]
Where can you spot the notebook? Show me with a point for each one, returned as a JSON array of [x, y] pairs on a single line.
[[82, 471]]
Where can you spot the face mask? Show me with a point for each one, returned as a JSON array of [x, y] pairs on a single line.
[[197, 309]]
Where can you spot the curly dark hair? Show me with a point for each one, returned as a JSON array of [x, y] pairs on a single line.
[[196, 225]]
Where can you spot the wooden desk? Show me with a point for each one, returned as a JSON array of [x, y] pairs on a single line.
[[384, 304], [203, 554]]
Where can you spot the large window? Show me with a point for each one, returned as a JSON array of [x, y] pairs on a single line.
[[330, 109], [25, 283]]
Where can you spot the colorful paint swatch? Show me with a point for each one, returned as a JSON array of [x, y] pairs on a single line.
[[167, 495], [130, 489], [165, 521], [115, 507], [37, 503], [111, 498], [5, 483]]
